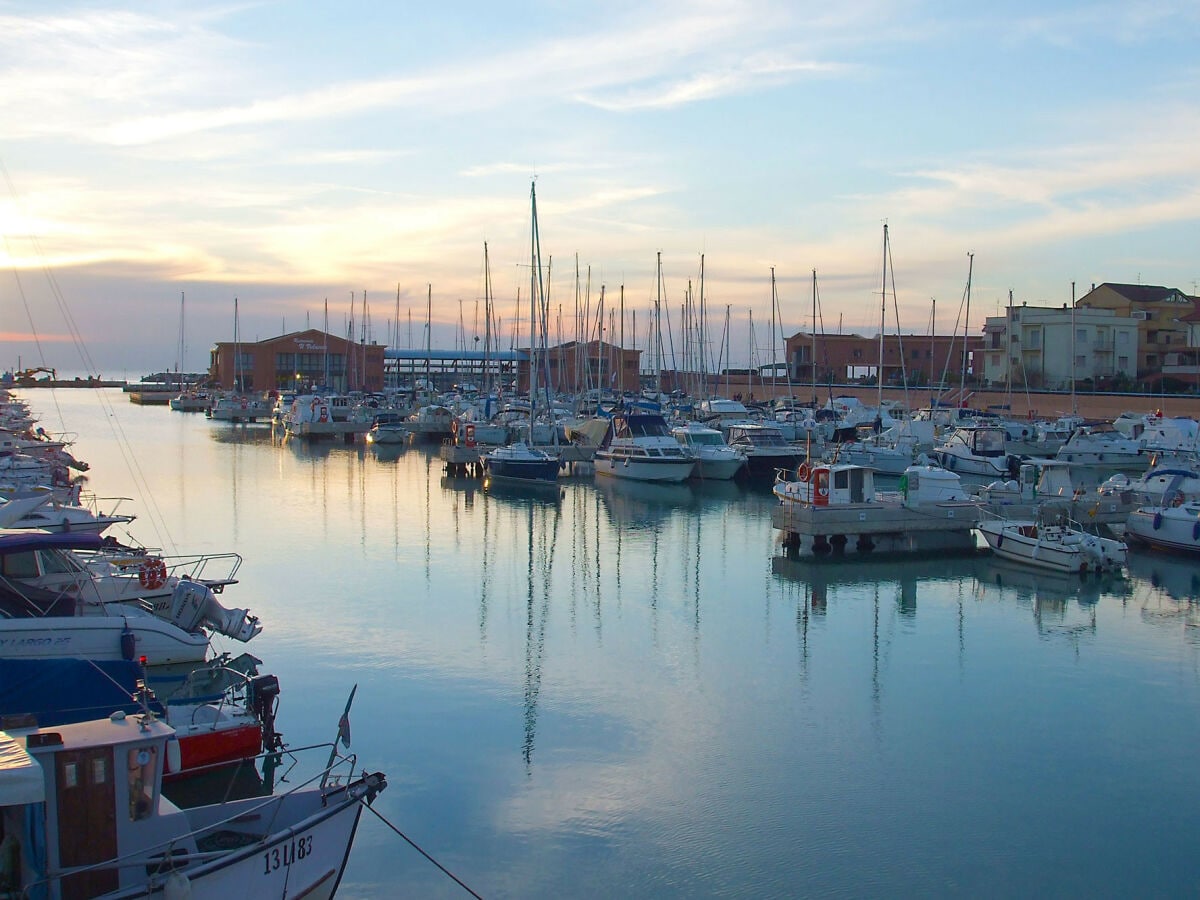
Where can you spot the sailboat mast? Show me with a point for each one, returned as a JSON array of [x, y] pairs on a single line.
[[962, 385], [658, 328], [1074, 405], [882, 321], [813, 361], [487, 325]]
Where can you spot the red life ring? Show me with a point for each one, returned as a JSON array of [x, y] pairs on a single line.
[[803, 472], [152, 574]]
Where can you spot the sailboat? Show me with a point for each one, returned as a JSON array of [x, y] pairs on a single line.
[[888, 454], [521, 462], [238, 406], [190, 399]]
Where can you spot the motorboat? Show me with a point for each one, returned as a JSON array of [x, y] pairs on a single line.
[[100, 824], [640, 447], [1055, 543], [240, 408], [977, 450], [1172, 525], [715, 460], [388, 428], [54, 605], [765, 449], [1100, 444]]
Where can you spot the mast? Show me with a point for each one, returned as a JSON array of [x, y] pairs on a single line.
[[813, 361], [534, 293], [882, 322], [237, 351], [1074, 405], [774, 306], [428, 336], [962, 384], [487, 330], [658, 329]]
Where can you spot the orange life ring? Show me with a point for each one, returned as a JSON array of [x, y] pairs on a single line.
[[803, 472], [152, 574]]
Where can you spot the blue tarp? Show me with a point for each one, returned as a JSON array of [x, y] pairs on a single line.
[[65, 691]]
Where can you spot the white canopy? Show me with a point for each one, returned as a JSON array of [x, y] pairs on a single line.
[[20, 774]]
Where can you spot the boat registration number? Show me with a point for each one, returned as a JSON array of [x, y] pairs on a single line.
[[287, 853]]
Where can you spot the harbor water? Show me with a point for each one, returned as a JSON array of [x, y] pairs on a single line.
[[617, 689]]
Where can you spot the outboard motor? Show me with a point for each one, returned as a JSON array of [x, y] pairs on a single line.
[[194, 604], [263, 699]]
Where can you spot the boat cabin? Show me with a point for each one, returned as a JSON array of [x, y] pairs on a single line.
[[980, 440], [76, 798]]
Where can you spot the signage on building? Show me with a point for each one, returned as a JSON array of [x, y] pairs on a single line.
[[305, 344]]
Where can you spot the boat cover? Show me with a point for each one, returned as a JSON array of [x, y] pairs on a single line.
[[20, 774], [66, 691]]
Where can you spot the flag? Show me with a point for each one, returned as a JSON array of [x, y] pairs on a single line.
[[344, 729]]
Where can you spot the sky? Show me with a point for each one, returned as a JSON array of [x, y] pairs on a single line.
[[161, 161]]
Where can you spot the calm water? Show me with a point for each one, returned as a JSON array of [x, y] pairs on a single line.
[[612, 690]]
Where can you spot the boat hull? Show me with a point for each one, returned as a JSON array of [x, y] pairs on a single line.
[[856, 530], [1046, 547], [1164, 529], [710, 469], [304, 860], [523, 470], [663, 470], [100, 637]]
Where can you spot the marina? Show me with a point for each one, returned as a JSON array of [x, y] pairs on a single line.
[[613, 687]]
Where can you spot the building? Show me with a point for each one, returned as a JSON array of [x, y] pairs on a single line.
[[297, 361], [1055, 347], [1159, 312], [838, 358], [578, 366]]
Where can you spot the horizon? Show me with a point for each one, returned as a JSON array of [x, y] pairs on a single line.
[[288, 157]]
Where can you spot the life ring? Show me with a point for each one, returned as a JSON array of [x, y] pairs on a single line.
[[1177, 499], [312, 408], [152, 574], [803, 473], [822, 490], [245, 403]]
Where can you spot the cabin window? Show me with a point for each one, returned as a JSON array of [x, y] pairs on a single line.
[[54, 564], [20, 565], [143, 764], [841, 479]]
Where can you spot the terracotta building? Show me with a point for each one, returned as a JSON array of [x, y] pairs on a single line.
[[845, 357], [296, 361], [576, 366]]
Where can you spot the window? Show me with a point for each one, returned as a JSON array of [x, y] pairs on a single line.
[[20, 565], [1035, 339], [143, 765], [1081, 335], [1123, 363], [1123, 338]]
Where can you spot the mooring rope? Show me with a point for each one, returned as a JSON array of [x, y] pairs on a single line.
[[413, 844]]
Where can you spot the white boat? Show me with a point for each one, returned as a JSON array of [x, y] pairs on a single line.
[[240, 408], [977, 450], [1100, 444], [715, 460], [1151, 487], [1173, 525], [100, 825], [52, 604], [388, 428], [832, 509], [640, 447], [192, 401], [1058, 545]]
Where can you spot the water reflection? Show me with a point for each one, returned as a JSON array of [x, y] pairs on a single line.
[[642, 505]]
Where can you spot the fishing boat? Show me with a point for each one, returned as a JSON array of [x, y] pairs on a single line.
[[1174, 525], [1054, 543], [86, 816], [834, 510]]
